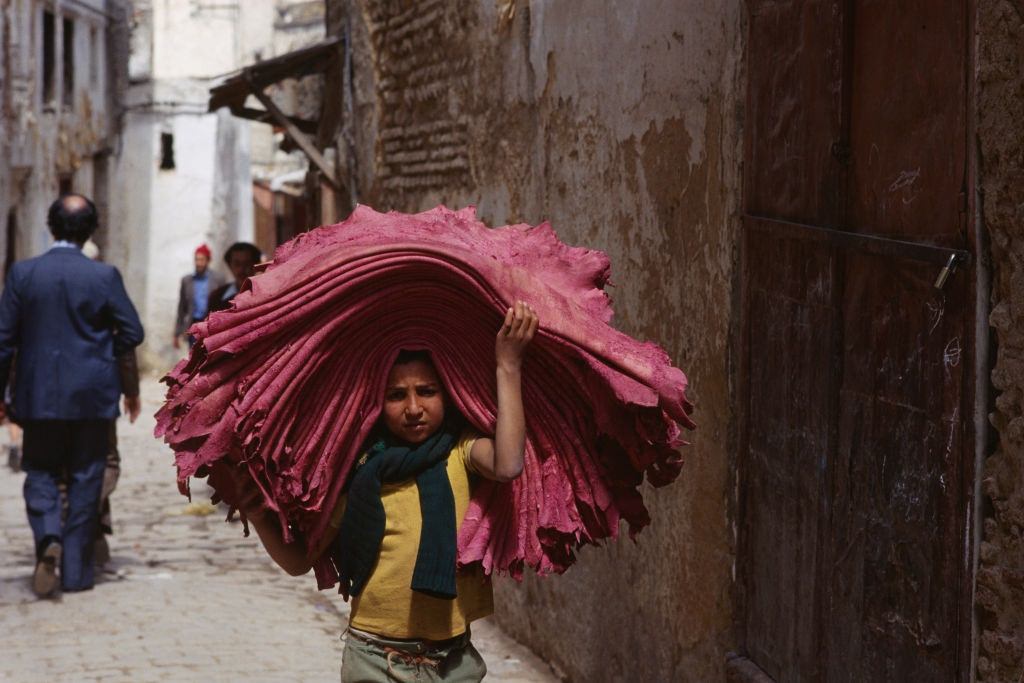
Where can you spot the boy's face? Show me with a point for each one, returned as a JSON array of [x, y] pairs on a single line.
[[413, 402]]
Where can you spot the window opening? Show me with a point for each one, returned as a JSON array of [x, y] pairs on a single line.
[[94, 57], [49, 57], [166, 151], [69, 62], [12, 235], [64, 184]]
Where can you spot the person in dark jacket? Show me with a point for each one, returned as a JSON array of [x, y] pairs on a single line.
[[241, 258], [194, 294], [68, 318]]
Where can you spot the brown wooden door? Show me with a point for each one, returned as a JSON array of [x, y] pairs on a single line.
[[854, 469]]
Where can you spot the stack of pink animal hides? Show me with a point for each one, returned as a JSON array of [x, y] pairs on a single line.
[[290, 380]]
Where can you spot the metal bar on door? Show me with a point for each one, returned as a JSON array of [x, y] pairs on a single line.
[[872, 244]]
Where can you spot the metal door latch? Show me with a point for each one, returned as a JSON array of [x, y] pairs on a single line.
[[946, 271]]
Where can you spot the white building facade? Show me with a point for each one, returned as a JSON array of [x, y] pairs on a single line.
[[185, 172], [61, 75], [110, 99]]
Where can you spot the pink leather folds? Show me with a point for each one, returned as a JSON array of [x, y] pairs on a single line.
[[291, 379]]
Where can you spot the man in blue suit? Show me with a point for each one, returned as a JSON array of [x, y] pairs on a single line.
[[68, 318]]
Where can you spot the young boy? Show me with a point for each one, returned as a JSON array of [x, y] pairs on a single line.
[[397, 526]]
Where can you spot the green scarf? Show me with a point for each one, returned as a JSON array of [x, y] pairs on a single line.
[[354, 550]]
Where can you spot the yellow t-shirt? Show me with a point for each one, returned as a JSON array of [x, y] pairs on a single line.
[[388, 606]]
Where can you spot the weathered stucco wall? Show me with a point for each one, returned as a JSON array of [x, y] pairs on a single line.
[[618, 122], [64, 132], [162, 214], [1000, 582]]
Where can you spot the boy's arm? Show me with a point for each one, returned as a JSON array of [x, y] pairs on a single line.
[[501, 459], [291, 557]]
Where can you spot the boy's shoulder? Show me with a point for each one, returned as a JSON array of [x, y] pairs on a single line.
[[464, 447], [469, 434]]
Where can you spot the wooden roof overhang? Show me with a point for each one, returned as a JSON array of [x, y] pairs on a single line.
[[254, 79]]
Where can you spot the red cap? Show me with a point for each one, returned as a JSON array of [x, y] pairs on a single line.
[[203, 249]]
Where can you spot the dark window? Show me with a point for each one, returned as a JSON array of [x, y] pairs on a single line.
[[166, 151], [49, 56], [69, 63], [12, 235], [94, 57], [64, 184]]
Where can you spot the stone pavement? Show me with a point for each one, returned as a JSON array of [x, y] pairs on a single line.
[[185, 597]]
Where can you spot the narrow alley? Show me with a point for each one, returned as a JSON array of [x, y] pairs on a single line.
[[703, 318], [185, 596]]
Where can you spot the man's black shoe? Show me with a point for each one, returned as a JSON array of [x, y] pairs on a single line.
[[45, 579], [101, 551]]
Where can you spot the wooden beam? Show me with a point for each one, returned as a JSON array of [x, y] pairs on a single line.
[[292, 131], [263, 116]]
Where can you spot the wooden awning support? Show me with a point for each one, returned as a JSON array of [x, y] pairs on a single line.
[[263, 116], [254, 79], [292, 131]]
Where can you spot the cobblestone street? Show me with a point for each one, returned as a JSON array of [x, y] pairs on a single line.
[[185, 597]]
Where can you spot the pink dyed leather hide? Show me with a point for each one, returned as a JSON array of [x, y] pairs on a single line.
[[291, 379]]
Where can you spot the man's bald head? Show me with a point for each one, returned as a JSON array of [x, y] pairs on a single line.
[[73, 202], [73, 218]]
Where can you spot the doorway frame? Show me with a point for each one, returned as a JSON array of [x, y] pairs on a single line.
[[977, 387]]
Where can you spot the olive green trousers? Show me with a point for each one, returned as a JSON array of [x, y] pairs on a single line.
[[371, 659]]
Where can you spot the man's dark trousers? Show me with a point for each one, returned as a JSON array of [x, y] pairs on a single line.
[[77, 450], [68, 319]]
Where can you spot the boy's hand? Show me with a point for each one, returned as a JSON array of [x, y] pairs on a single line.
[[235, 485], [515, 335], [502, 457]]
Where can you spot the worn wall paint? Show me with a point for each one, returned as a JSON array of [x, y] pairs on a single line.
[[66, 135], [1000, 579], [616, 122], [161, 215]]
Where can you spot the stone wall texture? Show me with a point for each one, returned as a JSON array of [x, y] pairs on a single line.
[[1000, 128], [619, 123]]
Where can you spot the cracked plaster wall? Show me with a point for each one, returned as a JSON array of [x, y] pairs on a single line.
[[619, 123], [163, 214], [67, 136]]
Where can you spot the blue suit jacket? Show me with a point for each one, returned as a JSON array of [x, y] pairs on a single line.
[[67, 317]]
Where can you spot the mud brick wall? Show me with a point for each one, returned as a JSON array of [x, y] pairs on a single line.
[[1000, 126], [421, 56], [512, 106], [505, 104]]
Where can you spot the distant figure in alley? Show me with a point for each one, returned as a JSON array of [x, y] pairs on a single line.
[[64, 319], [241, 258], [194, 295]]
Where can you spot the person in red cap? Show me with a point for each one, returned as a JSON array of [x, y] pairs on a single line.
[[194, 294]]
